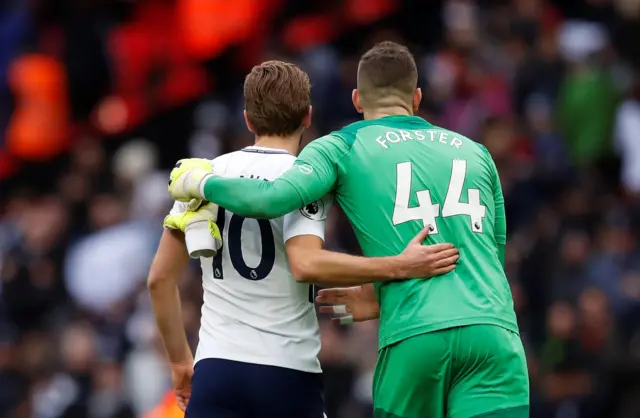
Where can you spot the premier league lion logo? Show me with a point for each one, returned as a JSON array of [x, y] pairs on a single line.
[[314, 210]]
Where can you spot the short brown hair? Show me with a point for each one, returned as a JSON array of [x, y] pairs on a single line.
[[387, 71], [277, 97]]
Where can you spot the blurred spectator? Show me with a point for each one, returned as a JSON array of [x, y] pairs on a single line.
[[587, 100], [627, 144]]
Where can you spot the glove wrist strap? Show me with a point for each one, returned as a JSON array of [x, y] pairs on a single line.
[[202, 185]]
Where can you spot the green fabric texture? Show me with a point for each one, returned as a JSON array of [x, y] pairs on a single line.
[[462, 372]]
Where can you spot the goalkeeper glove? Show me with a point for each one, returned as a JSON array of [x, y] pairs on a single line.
[[202, 235], [187, 177]]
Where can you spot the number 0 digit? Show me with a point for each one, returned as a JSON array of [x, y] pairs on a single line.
[[234, 246]]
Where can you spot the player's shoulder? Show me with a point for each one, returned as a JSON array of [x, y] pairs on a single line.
[[347, 134], [249, 152], [350, 133], [332, 138], [275, 157], [476, 148], [333, 145]]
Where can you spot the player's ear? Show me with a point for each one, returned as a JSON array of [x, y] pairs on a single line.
[[246, 121], [417, 98], [355, 98], [306, 122]]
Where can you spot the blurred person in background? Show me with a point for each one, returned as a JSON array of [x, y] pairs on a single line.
[[588, 99]]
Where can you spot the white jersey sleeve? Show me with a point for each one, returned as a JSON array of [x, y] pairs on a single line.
[[308, 220]]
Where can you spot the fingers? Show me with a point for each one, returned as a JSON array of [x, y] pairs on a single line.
[[331, 296], [182, 402], [344, 310], [182, 405], [345, 320], [336, 309], [331, 300], [330, 292], [436, 248], [194, 204], [446, 254], [338, 299], [339, 310], [342, 291], [446, 262], [443, 270], [326, 309], [422, 235]]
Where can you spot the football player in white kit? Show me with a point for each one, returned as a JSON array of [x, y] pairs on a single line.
[[259, 338]]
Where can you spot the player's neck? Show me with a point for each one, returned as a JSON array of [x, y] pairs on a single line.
[[291, 143], [387, 111]]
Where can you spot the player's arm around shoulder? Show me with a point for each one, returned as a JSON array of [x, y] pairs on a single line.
[[309, 263], [315, 171]]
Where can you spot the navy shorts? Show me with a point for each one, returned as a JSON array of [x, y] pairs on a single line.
[[231, 389]]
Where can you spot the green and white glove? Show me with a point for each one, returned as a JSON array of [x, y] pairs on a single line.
[[201, 232]]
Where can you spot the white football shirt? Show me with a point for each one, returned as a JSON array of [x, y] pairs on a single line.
[[254, 311]]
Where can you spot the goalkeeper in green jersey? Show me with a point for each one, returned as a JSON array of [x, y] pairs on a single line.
[[449, 346]]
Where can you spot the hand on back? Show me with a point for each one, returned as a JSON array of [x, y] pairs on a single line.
[[424, 261], [359, 303]]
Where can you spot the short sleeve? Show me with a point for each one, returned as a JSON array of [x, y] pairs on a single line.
[[315, 171], [308, 220]]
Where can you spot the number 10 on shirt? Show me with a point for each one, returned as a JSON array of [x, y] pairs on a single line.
[[427, 210], [233, 242]]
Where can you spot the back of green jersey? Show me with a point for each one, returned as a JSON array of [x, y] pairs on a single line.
[[402, 174]]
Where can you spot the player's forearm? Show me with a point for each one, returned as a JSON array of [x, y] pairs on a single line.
[[251, 197], [167, 309], [335, 269]]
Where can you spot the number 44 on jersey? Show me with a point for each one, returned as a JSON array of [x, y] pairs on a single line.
[[427, 210]]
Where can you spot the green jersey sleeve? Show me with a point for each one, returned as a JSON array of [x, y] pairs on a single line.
[[312, 176], [253, 198], [315, 172], [500, 228]]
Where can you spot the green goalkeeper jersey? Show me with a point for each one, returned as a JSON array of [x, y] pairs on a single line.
[[393, 176]]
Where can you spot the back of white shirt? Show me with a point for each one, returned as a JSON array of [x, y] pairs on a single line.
[[254, 311]]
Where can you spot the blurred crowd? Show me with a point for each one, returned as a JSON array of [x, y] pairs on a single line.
[[98, 98]]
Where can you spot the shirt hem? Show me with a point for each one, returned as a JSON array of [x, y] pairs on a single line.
[[263, 362], [439, 326]]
